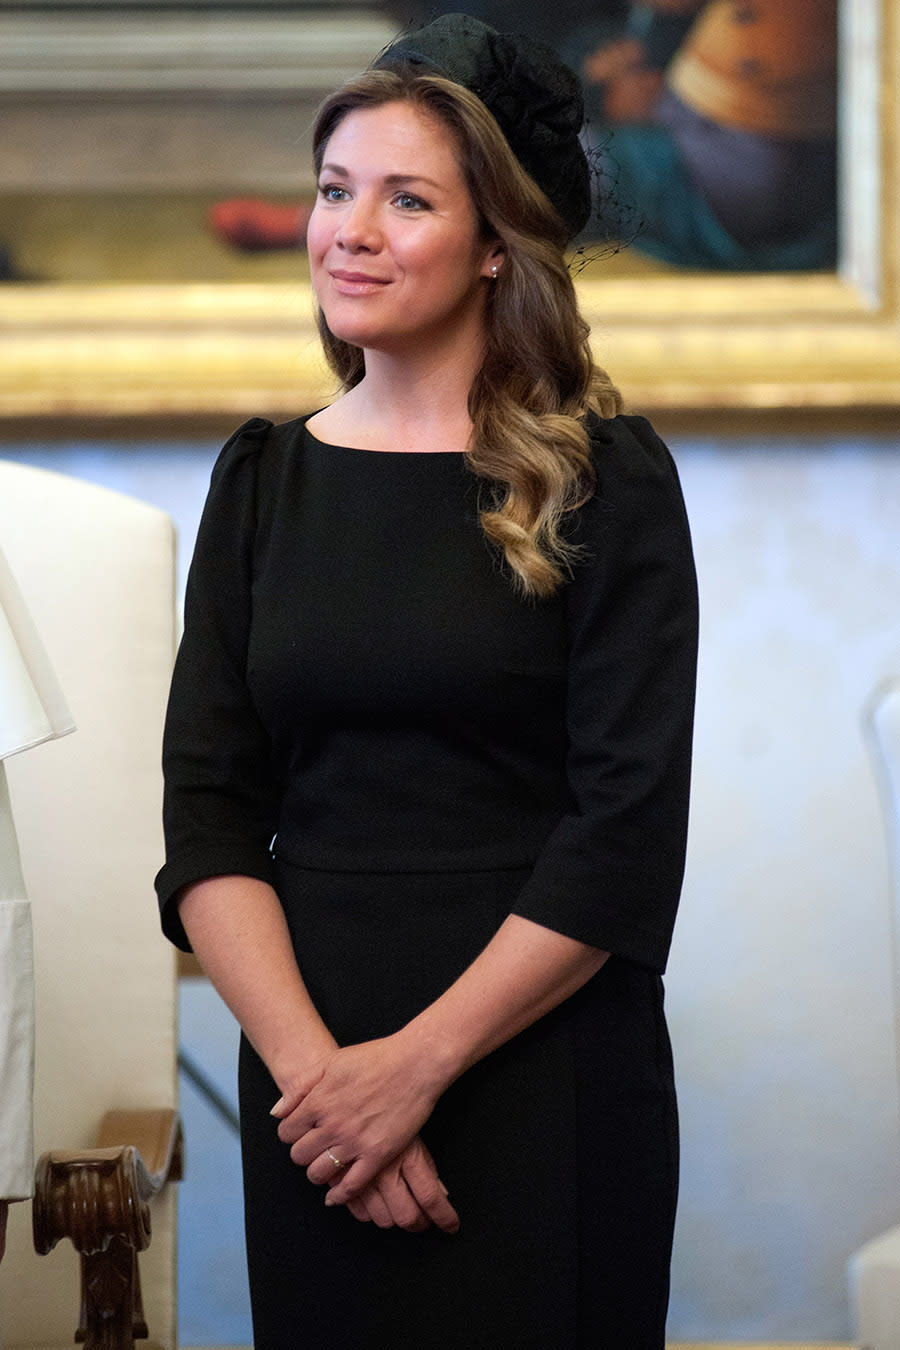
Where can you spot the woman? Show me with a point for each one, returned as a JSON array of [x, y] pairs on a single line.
[[439, 644]]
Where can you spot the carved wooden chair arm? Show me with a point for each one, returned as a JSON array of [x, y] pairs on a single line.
[[100, 1198]]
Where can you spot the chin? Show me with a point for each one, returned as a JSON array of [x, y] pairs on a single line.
[[370, 336], [349, 328], [355, 335]]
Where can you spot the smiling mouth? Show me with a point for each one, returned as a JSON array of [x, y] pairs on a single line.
[[358, 279]]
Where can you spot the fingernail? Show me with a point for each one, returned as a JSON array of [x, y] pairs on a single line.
[[329, 1199], [443, 1188], [277, 1107]]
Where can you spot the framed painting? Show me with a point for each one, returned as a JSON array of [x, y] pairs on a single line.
[[674, 340]]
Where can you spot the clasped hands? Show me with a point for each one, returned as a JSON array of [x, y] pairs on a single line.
[[354, 1123]]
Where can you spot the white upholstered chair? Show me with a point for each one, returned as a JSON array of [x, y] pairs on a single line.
[[874, 1271], [97, 572]]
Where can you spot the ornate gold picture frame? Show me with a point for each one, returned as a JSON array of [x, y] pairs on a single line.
[[675, 343]]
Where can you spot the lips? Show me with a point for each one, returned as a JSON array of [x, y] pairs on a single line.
[[356, 276], [357, 283]]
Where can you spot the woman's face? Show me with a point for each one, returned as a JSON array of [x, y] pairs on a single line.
[[396, 256]]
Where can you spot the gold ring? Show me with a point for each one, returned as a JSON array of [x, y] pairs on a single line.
[[337, 1162]]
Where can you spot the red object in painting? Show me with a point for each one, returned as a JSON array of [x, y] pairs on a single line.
[[256, 226]]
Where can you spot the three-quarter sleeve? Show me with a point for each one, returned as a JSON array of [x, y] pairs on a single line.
[[610, 872], [219, 810]]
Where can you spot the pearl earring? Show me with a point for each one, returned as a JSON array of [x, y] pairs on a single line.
[[494, 270]]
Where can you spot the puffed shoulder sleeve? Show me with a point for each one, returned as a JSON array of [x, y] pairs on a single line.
[[219, 808], [610, 873]]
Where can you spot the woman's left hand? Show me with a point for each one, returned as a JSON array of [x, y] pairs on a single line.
[[372, 1099]]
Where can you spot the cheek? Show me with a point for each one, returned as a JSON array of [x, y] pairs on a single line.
[[437, 267], [318, 236]]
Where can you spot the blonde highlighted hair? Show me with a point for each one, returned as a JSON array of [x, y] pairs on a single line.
[[538, 379]]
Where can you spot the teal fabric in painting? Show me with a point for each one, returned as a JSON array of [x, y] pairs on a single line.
[[671, 220]]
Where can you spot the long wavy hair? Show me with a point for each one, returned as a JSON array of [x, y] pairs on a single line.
[[537, 380]]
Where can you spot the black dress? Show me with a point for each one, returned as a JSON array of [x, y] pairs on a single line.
[[365, 714]]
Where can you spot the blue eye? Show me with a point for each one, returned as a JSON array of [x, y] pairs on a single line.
[[332, 193], [408, 202]]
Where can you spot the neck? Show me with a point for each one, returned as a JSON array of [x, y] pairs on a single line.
[[418, 395], [418, 401]]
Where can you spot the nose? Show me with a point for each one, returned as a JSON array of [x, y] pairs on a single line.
[[359, 230]]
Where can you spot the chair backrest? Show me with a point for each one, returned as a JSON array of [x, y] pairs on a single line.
[[97, 571]]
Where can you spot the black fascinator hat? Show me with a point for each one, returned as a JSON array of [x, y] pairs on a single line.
[[533, 96]]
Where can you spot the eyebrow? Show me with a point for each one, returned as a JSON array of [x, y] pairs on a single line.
[[391, 180]]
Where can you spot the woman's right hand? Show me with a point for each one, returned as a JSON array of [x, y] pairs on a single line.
[[407, 1193]]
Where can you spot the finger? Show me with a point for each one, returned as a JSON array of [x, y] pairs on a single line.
[[312, 1145], [378, 1210], [287, 1103], [326, 1168], [292, 1096], [294, 1124], [429, 1192], [359, 1210], [356, 1178], [404, 1209]]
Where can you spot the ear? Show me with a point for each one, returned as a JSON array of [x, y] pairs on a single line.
[[493, 261]]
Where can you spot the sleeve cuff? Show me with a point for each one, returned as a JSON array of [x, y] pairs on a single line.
[[219, 861]]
